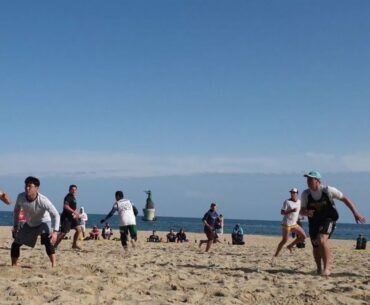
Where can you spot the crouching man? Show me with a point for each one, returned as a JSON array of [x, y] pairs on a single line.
[[37, 210]]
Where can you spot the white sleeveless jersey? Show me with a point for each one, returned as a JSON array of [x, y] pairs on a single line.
[[125, 212]]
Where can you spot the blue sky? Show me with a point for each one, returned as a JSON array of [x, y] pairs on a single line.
[[121, 95]]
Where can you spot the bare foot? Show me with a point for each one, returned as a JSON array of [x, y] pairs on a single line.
[[290, 248], [76, 247], [326, 273]]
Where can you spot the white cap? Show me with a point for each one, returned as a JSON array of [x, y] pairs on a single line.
[[294, 190]]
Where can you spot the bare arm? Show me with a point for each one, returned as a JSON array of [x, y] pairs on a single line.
[[206, 224], [5, 198], [286, 212], [110, 214], [358, 217]]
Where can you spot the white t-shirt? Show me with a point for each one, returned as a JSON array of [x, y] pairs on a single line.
[[291, 218], [37, 211], [125, 212], [331, 191], [83, 218]]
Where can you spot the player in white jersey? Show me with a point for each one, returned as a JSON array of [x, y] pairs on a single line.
[[127, 216], [290, 210]]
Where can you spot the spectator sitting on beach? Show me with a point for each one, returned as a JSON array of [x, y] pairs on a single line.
[[107, 231], [181, 236], [154, 238], [361, 242], [237, 235], [95, 233], [171, 237]]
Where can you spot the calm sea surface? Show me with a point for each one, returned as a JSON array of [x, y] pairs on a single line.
[[256, 227]]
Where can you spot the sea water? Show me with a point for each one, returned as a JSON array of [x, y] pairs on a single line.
[[195, 225]]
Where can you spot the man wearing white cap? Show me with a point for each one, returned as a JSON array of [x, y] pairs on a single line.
[[290, 210], [318, 204]]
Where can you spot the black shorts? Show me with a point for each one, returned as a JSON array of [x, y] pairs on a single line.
[[68, 224], [325, 226]]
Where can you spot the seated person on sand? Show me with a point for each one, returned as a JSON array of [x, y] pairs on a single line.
[[361, 242], [171, 237], [94, 233], [237, 235], [154, 238], [107, 231], [181, 236]]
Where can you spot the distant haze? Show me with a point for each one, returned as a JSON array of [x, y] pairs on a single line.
[[240, 196]]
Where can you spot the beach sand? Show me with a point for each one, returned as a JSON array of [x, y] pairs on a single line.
[[162, 273]]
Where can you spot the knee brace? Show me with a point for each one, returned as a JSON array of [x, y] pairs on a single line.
[[315, 243], [15, 250], [45, 240]]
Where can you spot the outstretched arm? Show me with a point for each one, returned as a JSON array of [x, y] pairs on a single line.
[[358, 217], [5, 198], [110, 214]]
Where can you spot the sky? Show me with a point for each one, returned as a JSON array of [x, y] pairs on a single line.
[[199, 101]]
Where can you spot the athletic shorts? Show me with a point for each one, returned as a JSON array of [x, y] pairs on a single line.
[[289, 228], [28, 235], [129, 229], [211, 235], [326, 226], [68, 224]]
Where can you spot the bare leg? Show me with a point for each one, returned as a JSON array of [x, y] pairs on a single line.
[[285, 235], [317, 257], [201, 242], [209, 244], [53, 260], [61, 235], [325, 253], [75, 238], [301, 236]]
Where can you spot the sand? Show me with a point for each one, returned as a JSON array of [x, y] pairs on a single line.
[[162, 273]]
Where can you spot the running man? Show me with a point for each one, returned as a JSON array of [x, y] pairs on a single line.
[[37, 210], [5, 198], [290, 210], [127, 216], [209, 220], [70, 218], [318, 205]]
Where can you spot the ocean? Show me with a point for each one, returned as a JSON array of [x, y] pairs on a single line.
[[255, 227]]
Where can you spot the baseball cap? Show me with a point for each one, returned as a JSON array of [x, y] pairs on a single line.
[[313, 174], [293, 190]]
